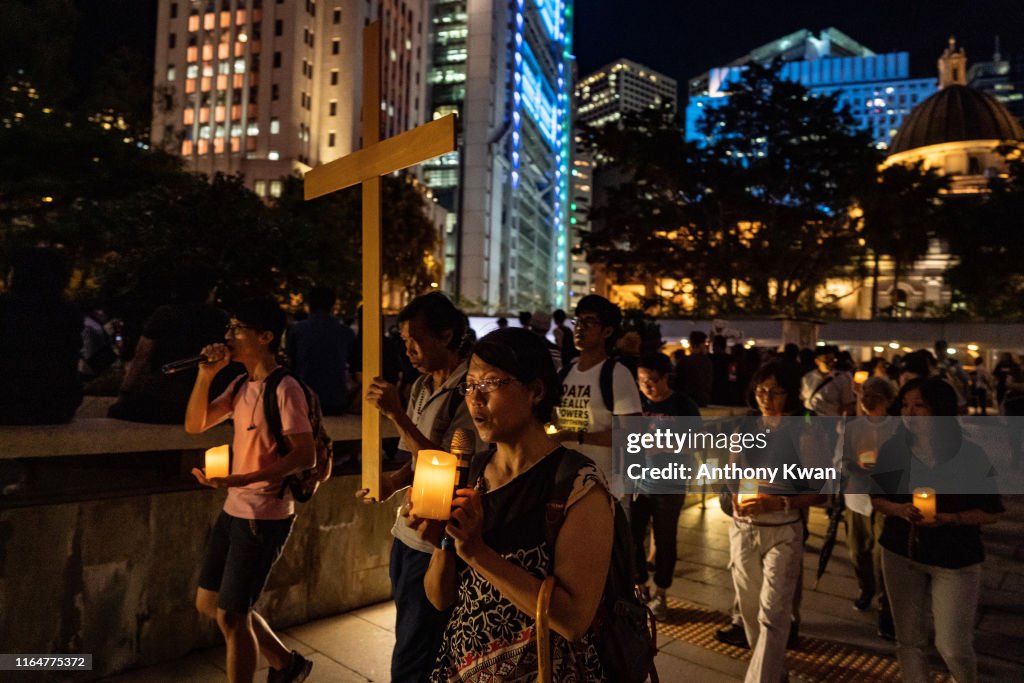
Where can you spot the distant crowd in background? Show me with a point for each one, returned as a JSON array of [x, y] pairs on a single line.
[[541, 398]]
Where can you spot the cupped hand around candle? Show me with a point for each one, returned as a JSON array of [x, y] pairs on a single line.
[[219, 482], [467, 523], [760, 505]]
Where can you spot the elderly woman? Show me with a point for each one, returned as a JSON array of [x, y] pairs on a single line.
[[940, 559], [495, 555], [766, 536]]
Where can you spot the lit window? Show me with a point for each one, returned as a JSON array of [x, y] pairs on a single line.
[[170, 72], [275, 187], [193, 23], [186, 148], [208, 21], [260, 188], [239, 66], [274, 155], [192, 71], [275, 126], [253, 129]]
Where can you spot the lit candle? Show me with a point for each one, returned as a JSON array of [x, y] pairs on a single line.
[[748, 490], [867, 458], [433, 485], [550, 428], [860, 376], [218, 461], [924, 501]]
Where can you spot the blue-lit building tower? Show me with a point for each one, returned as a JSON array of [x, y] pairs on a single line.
[[877, 87], [505, 66]]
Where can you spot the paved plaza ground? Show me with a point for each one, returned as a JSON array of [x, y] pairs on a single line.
[[837, 642]]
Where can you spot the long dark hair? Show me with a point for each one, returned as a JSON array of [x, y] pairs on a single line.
[[526, 357], [785, 377], [940, 397], [440, 315]]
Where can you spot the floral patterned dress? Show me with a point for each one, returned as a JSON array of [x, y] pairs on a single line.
[[488, 638]]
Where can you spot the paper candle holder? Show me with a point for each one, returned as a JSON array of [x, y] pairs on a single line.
[[925, 502], [433, 485], [218, 461]]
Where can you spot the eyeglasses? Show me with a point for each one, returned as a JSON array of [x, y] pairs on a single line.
[[485, 386], [584, 323], [761, 392], [232, 329]]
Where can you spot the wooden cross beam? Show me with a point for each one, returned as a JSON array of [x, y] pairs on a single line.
[[366, 166]]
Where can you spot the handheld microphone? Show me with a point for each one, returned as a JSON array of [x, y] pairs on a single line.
[[183, 364], [463, 446]]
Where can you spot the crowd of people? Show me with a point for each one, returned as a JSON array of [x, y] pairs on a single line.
[[542, 409]]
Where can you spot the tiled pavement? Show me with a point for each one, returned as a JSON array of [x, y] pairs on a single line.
[[357, 646]]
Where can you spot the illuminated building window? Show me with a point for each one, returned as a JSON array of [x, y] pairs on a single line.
[[186, 148], [170, 72], [236, 130], [208, 21], [260, 188], [236, 145], [275, 126], [332, 108], [223, 51], [193, 23], [203, 146], [274, 155], [253, 129], [275, 188], [207, 52], [192, 54]]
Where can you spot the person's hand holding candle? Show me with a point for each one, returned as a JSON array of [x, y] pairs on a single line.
[[467, 524], [925, 502], [432, 485]]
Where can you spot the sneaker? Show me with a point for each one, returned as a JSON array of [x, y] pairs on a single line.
[[296, 671], [734, 635], [886, 629], [862, 603], [658, 608]]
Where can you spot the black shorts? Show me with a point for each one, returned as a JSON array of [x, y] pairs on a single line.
[[239, 557]]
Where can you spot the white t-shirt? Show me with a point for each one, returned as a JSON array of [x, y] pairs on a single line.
[[827, 394], [583, 407]]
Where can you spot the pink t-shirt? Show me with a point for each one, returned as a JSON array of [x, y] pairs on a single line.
[[254, 448]]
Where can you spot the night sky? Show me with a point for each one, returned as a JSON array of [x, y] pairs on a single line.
[[682, 38]]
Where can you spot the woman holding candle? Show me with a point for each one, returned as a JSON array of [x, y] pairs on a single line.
[[939, 557], [766, 536], [496, 555]]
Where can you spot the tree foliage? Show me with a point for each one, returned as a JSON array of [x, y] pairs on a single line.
[[129, 217], [756, 218]]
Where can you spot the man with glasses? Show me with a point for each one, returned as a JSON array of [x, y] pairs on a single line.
[[436, 336], [258, 514], [594, 387]]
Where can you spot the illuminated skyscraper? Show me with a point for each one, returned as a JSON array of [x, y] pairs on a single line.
[[601, 99], [265, 87], [505, 67], [877, 88]]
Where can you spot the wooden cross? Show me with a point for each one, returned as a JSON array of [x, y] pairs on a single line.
[[366, 166]]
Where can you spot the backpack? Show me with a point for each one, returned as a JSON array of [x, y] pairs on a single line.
[[625, 632], [606, 381], [304, 484]]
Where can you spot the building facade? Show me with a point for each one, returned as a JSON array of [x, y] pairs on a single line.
[[269, 87], [505, 67], [602, 98], [877, 88], [1003, 79]]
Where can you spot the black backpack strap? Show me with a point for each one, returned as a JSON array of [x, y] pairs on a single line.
[[607, 384], [272, 411], [568, 468]]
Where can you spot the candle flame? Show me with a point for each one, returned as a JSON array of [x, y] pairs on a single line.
[[435, 461]]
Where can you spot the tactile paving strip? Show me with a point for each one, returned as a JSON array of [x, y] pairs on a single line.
[[813, 659]]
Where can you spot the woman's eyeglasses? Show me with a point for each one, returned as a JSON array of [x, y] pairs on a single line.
[[585, 323], [485, 386]]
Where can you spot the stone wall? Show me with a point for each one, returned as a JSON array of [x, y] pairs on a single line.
[[117, 578]]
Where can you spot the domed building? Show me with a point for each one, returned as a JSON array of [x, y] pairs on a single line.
[[966, 135], [958, 130]]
